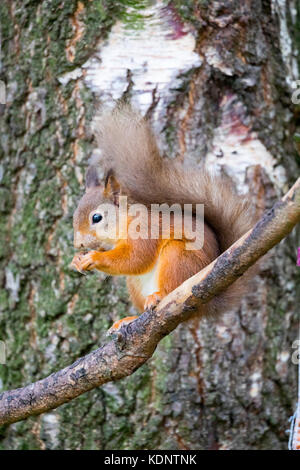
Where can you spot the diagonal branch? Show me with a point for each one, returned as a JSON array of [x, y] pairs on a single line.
[[136, 343]]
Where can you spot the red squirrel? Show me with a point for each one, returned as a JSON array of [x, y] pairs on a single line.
[[134, 168]]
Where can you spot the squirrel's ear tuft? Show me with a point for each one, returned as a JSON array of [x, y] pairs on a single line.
[[112, 187], [92, 177]]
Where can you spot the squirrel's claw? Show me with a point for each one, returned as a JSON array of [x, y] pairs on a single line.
[[152, 301], [118, 325], [75, 265], [87, 262], [84, 262]]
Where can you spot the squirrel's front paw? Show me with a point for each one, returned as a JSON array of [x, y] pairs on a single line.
[[76, 263], [85, 262]]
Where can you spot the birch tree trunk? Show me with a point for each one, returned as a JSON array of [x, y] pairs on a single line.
[[217, 79]]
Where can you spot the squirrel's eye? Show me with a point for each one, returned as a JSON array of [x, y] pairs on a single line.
[[97, 218]]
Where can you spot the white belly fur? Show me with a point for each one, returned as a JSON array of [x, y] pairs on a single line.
[[149, 281]]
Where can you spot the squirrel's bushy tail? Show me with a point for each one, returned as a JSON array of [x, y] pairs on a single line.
[[129, 149]]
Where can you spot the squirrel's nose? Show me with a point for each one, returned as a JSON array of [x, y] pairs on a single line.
[[78, 240]]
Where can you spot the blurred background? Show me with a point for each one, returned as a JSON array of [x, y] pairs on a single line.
[[218, 79]]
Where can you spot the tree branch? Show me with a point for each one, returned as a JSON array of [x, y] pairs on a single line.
[[135, 343]]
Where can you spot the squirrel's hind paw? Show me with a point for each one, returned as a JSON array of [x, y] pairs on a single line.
[[152, 301], [118, 324]]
